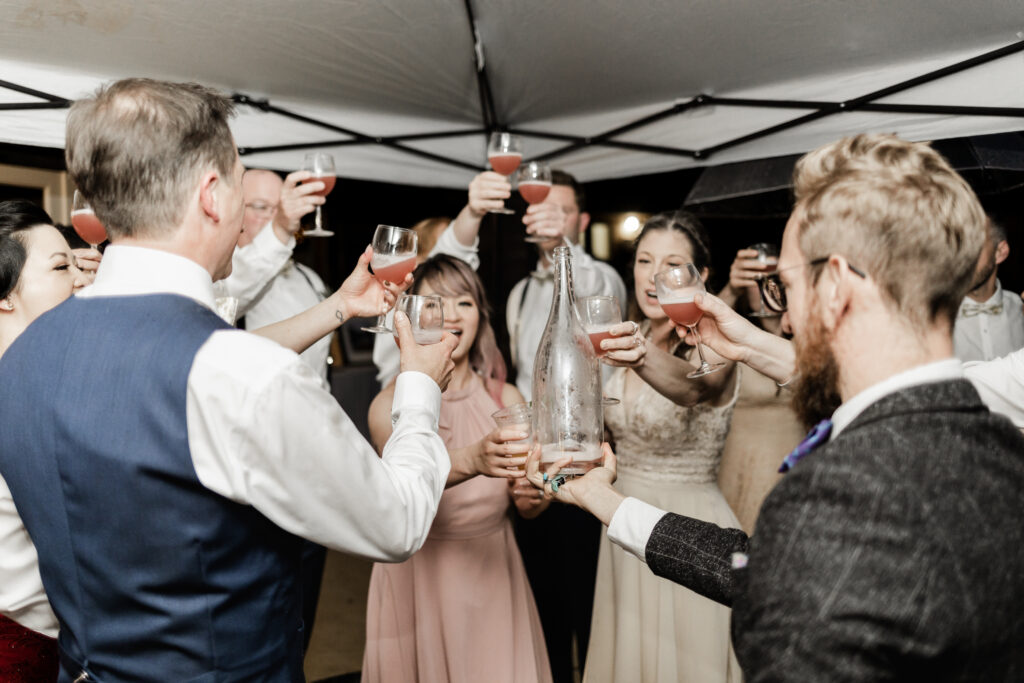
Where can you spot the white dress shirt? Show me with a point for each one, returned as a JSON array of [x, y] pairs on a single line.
[[634, 521], [1001, 384], [22, 597], [253, 266], [385, 351], [294, 289], [262, 431], [529, 304], [989, 330]]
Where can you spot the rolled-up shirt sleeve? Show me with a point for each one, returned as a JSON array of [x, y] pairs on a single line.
[[263, 432], [254, 266]]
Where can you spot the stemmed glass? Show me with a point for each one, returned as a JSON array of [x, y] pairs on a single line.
[[426, 315], [768, 257], [85, 223], [394, 257], [534, 184], [321, 165], [598, 315], [504, 152], [676, 288]]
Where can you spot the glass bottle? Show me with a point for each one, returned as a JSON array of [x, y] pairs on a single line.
[[568, 419]]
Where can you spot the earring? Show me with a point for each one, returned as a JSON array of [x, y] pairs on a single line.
[[6, 304]]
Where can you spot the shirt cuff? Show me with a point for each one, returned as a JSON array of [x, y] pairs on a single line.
[[632, 525], [267, 242], [417, 396]]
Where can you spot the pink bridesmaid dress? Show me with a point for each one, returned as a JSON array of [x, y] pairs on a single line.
[[460, 610]]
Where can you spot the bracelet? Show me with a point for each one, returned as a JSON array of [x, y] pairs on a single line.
[[788, 381]]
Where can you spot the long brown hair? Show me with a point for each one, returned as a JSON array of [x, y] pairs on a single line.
[[452, 277]]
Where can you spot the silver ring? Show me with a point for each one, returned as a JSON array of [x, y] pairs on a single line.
[[638, 341], [636, 327]]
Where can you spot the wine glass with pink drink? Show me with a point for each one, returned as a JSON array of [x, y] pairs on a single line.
[[676, 288], [394, 257], [504, 153], [85, 223], [321, 165], [534, 185], [598, 315]]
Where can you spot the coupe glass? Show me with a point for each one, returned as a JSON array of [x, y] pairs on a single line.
[[676, 288], [321, 165], [394, 257]]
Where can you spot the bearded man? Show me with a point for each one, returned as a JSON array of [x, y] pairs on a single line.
[[892, 550]]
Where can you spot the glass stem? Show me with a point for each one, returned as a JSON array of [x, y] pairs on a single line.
[[319, 220], [700, 351]]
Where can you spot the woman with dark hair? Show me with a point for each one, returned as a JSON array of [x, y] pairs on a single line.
[[460, 610], [669, 433], [37, 271]]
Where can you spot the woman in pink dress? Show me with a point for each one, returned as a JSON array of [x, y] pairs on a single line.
[[460, 610]]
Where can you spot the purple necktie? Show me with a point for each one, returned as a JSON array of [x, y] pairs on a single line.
[[815, 438]]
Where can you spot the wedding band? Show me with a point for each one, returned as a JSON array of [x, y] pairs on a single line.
[[636, 327], [637, 341]]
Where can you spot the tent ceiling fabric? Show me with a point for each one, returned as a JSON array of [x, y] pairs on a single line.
[[577, 67]]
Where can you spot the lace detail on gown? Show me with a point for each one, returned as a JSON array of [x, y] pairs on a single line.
[[656, 437]]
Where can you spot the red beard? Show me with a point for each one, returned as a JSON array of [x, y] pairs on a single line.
[[816, 395]]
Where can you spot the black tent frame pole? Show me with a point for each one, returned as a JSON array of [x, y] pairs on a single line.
[[487, 109], [34, 93]]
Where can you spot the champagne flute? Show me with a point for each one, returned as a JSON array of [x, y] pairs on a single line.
[[394, 257], [768, 257], [504, 153], [426, 315], [676, 288], [85, 223], [321, 165], [598, 315], [534, 184]]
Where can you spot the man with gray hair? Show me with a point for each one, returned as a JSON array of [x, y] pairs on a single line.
[[893, 547], [167, 507]]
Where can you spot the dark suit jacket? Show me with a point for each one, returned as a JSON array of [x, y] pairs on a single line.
[[894, 552]]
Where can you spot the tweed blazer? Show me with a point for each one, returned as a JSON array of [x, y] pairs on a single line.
[[894, 552]]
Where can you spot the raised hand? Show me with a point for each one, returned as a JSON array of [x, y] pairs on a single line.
[[297, 199], [88, 261], [546, 220], [361, 295], [487, 192]]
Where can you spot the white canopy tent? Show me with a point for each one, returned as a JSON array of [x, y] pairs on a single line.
[[405, 90]]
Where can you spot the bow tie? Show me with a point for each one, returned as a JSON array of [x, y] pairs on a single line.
[[969, 309], [815, 438], [542, 275]]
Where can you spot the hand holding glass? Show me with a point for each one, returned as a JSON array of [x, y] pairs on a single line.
[[394, 257], [676, 288], [517, 417], [85, 223], [534, 184], [321, 165], [598, 315], [426, 315]]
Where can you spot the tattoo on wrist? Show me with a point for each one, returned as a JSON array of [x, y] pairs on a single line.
[[340, 316]]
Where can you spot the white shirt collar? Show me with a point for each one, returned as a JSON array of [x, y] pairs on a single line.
[[938, 371], [128, 270]]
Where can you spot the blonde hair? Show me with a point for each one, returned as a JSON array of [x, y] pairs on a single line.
[[897, 210], [427, 232]]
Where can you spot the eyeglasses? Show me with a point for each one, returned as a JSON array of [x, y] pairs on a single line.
[[261, 207], [773, 292]]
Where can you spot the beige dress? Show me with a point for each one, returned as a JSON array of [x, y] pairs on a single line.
[[460, 610], [647, 629], [764, 430]]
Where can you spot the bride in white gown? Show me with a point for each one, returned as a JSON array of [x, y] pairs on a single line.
[[669, 433]]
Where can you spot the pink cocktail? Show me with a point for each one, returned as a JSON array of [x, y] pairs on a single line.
[[505, 164], [392, 268], [88, 227], [683, 311], [327, 180], [598, 336], [534, 192]]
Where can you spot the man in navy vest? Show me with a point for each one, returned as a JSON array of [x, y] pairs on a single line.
[[168, 505]]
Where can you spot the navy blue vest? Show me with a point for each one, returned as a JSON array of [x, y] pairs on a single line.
[[152, 576]]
